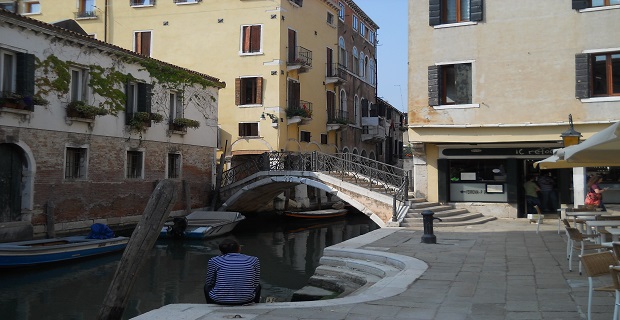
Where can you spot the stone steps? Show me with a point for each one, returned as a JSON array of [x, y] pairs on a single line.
[[449, 215], [345, 273]]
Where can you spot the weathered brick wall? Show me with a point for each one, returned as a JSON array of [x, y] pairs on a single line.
[[106, 195]]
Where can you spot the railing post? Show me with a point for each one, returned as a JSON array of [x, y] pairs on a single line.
[[406, 189], [394, 211]]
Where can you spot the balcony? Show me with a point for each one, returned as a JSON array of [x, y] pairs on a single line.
[[300, 60], [373, 129], [299, 112], [336, 74], [85, 14], [337, 119]]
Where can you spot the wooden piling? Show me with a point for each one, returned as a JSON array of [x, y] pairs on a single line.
[[50, 219], [140, 244]]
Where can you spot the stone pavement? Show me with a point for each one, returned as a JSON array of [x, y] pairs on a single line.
[[498, 270]]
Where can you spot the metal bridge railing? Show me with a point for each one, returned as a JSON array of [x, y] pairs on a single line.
[[363, 171]]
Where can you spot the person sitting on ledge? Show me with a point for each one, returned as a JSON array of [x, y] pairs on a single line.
[[232, 278]]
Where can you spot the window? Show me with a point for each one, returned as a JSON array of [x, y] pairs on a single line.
[[343, 100], [342, 53], [450, 84], [362, 69], [79, 84], [304, 136], [31, 7], [176, 106], [293, 95], [372, 78], [363, 30], [371, 37], [249, 91], [356, 62], [137, 3], [297, 3], [356, 109], [583, 4], [142, 43], [134, 164], [8, 6], [17, 73], [8, 67], [597, 74], [251, 39], [323, 138], [330, 19], [355, 23], [248, 129], [454, 11], [75, 163], [138, 99], [174, 166], [341, 11], [86, 9]]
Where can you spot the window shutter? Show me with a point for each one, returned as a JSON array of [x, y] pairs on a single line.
[[241, 131], [25, 76], [582, 75], [144, 97], [238, 91], [259, 90], [255, 39], [128, 110], [245, 46], [475, 10], [434, 12], [580, 4], [433, 85]]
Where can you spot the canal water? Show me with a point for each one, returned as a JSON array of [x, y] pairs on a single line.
[[289, 252]]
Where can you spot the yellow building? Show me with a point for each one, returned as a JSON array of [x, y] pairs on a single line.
[[273, 56]]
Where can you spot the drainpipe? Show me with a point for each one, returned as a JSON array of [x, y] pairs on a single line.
[[105, 22]]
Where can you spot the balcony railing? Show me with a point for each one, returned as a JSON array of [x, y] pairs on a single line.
[[299, 108], [337, 116], [302, 57], [336, 73], [86, 14]]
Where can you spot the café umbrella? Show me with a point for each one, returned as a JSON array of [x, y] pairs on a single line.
[[600, 150]]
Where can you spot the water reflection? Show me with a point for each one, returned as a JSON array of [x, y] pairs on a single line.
[[174, 272]]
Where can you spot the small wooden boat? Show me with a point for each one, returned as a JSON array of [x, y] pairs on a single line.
[[35, 252], [201, 225], [317, 214]]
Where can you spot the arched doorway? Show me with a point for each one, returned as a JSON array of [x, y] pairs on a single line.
[[11, 166]]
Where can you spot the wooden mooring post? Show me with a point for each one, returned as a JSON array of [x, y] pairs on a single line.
[[140, 244]]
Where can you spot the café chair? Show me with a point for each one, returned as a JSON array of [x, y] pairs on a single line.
[[597, 265], [615, 246], [615, 274], [580, 244]]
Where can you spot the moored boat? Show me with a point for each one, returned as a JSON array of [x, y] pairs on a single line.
[[201, 225], [317, 214], [35, 252]]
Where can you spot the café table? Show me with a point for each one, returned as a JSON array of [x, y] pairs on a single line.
[[583, 215]]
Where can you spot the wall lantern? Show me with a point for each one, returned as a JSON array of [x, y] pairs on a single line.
[[570, 137]]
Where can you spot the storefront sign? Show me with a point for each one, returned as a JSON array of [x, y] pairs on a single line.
[[533, 152], [477, 192]]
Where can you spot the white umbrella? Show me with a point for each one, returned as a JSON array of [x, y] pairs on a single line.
[[600, 150]]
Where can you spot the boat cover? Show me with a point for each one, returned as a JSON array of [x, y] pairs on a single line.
[[100, 231]]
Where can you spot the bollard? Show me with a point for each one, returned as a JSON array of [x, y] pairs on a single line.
[[427, 220]]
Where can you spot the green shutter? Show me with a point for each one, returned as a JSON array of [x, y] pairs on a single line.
[[434, 12], [476, 10], [580, 4], [433, 85], [582, 75]]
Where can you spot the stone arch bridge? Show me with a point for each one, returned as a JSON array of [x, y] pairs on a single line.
[[378, 190]]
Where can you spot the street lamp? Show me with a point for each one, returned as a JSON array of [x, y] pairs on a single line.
[[570, 137]]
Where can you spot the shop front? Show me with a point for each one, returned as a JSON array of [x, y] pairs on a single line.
[[495, 174]]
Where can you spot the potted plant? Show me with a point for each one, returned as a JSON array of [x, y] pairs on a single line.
[[142, 120], [181, 124], [79, 109], [12, 100]]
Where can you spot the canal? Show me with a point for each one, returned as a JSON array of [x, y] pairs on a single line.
[[289, 252]]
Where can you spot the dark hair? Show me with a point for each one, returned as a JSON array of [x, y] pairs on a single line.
[[229, 246]]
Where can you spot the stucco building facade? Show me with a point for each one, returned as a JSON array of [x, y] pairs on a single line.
[[490, 92]]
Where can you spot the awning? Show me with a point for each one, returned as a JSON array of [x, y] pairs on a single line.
[[600, 150]]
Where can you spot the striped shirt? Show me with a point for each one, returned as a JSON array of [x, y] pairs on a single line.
[[233, 278]]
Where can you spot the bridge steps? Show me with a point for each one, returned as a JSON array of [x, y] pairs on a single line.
[[449, 215], [344, 273]]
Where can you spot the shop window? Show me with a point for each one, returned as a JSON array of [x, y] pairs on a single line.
[[477, 170]]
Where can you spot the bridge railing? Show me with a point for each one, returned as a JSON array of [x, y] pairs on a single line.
[[365, 172]]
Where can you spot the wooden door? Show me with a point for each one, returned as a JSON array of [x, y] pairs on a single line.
[[10, 182]]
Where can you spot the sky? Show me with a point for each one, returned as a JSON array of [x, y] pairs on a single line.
[[392, 48]]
